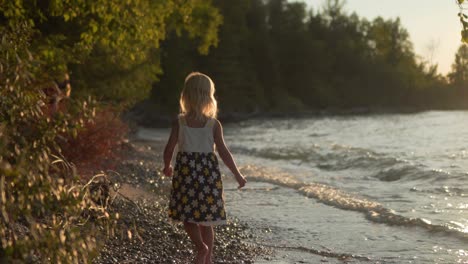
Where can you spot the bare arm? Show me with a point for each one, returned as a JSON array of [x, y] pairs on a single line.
[[169, 149], [226, 155]]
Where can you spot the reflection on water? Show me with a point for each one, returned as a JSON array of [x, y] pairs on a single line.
[[417, 158], [414, 166], [305, 225]]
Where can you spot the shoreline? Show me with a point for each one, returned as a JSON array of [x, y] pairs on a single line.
[[143, 233], [242, 240], [287, 225]]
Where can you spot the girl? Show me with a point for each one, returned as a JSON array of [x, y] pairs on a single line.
[[197, 189]]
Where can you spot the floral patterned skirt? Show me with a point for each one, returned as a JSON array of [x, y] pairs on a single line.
[[197, 189]]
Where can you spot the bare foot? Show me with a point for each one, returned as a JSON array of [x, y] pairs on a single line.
[[202, 252]]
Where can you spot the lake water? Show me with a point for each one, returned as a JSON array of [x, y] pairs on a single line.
[[377, 188]]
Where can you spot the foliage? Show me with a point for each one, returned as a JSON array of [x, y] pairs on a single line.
[[97, 146], [111, 47], [276, 55], [43, 208], [459, 74], [111, 50], [463, 20]]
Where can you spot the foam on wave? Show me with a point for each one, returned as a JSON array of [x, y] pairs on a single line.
[[332, 196]]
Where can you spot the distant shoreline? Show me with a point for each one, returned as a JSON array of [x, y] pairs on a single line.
[[161, 120]]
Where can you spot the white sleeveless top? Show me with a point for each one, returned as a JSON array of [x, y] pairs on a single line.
[[196, 139]]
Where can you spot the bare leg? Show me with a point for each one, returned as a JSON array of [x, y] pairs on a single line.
[[193, 230], [207, 234]]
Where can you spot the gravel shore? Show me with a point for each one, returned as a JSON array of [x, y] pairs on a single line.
[[144, 234]]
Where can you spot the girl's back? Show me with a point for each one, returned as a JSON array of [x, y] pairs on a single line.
[[195, 136]]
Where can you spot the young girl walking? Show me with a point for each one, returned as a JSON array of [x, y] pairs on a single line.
[[197, 188]]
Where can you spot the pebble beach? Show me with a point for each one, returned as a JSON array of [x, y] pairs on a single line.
[[144, 234]]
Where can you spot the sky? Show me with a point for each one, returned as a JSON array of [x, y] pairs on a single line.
[[433, 25]]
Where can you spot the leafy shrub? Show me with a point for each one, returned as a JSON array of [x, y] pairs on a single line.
[[97, 146], [44, 209]]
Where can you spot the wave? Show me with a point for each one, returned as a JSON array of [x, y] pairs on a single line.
[[324, 253], [340, 157], [332, 196], [444, 190], [279, 153], [337, 158], [412, 172]]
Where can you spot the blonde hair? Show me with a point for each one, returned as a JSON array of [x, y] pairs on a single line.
[[197, 97]]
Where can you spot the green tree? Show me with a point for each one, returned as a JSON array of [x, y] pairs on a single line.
[[458, 78], [262, 55], [396, 66], [391, 40], [288, 33], [459, 74], [276, 55], [112, 48], [230, 64]]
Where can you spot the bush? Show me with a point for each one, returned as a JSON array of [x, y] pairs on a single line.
[[97, 146], [44, 209]]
